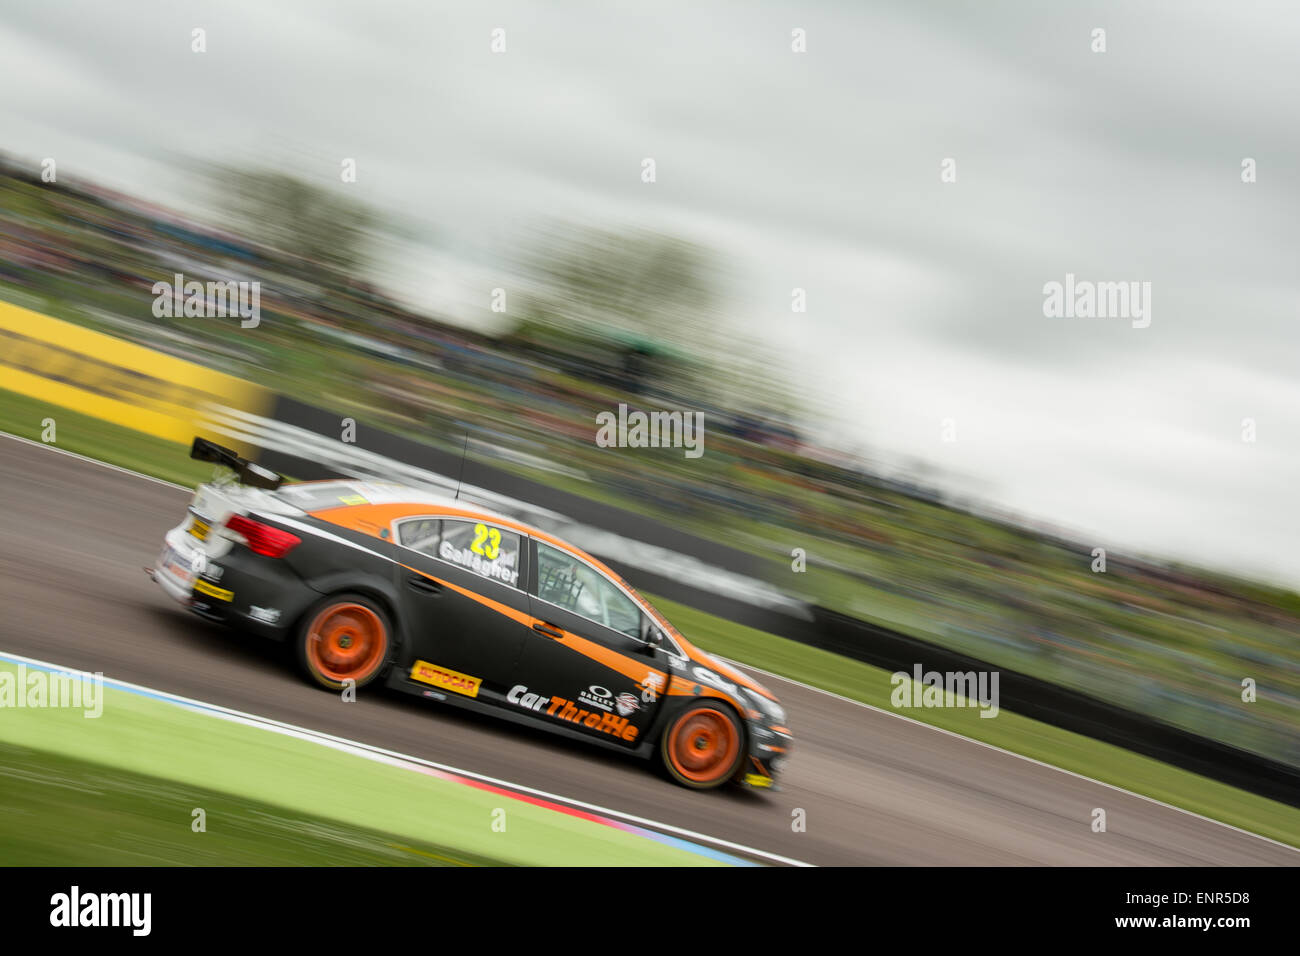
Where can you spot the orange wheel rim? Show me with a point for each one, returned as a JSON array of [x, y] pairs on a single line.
[[703, 745], [346, 641]]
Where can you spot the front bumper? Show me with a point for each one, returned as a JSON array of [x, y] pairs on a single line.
[[769, 747]]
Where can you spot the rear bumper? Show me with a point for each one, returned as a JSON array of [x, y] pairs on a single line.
[[240, 588], [175, 571]]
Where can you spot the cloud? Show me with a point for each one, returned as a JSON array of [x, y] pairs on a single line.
[[817, 170]]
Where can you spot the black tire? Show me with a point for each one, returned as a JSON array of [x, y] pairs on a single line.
[[703, 745], [341, 637]]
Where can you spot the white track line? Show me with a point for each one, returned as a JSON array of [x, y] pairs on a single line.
[[95, 461], [819, 690], [371, 751]]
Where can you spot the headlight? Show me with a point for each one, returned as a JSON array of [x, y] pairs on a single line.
[[770, 708]]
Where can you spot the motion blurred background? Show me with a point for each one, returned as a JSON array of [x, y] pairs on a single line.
[[776, 172]]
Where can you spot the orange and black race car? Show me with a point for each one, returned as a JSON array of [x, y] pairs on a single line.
[[379, 582]]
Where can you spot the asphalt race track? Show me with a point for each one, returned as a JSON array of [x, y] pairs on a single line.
[[876, 789]]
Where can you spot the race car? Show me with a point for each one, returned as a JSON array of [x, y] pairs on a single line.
[[380, 582]]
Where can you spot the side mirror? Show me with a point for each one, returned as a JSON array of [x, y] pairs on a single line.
[[654, 638]]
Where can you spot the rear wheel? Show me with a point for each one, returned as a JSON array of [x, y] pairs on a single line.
[[344, 637], [701, 747]]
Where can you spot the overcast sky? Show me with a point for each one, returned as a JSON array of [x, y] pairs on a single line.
[[818, 170]]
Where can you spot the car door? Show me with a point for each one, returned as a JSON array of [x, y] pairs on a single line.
[[464, 605], [585, 660]]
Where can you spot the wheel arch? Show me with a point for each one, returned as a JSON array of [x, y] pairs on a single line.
[[379, 590]]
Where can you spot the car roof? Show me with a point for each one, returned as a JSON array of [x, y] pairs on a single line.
[[371, 505], [313, 496]]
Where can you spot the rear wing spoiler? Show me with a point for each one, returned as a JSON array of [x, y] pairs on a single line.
[[247, 472]]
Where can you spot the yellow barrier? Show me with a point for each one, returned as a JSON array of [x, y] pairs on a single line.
[[117, 381]]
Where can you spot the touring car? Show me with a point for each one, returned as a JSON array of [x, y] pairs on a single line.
[[374, 582]]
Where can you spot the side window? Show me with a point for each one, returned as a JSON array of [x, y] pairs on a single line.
[[576, 586], [482, 548], [420, 534]]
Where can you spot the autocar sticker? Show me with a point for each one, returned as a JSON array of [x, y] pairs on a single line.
[[446, 678]]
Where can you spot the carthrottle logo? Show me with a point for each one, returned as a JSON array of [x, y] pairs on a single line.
[[706, 676], [75, 909], [566, 710]]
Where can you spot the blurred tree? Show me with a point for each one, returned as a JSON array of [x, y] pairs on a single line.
[[654, 286], [639, 310], [625, 307], [302, 220]]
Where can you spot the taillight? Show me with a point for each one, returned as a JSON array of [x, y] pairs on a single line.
[[262, 538]]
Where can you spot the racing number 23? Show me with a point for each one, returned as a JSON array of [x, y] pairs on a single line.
[[487, 541]]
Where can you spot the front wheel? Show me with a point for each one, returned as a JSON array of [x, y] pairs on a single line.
[[344, 637], [701, 747]]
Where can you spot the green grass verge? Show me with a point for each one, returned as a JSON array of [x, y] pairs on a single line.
[[294, 797], [1061, 748], [95, 438], [65, 812]]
